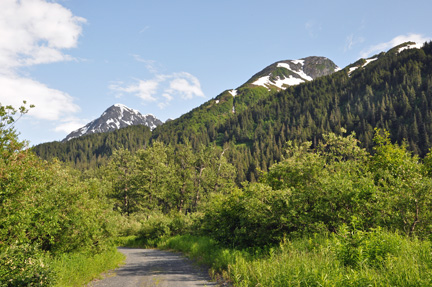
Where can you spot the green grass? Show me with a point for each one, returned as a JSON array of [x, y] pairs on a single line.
[[77, 269], [204, 250], [318, 262], [354, 258]]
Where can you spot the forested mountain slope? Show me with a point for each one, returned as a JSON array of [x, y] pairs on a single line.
[[199, 126], [196, 127], [94, 149], [392, 90]]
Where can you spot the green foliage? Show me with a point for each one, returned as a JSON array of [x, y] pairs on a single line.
[[354, 247], [45, 204], [24, 265], [78, 269], [46, 210], [405, 185], [355, 258], [165, 179], [254, 216], [92, 151], [319, 190], [204, 250], [158, 226]]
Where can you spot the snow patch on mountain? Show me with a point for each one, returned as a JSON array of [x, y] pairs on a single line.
[[294, 72], [233, 93], [411, 46], [281, 83], [367, 62], [299, 71]]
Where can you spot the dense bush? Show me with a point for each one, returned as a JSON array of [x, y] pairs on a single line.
[[24, 265], [45, 210], [319, 190], [161, 225]]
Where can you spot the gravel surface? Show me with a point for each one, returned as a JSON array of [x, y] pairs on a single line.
[[152, 267]]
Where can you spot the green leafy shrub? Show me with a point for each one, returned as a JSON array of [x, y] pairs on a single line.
[[24, 265], [129, 225], [354, 247], [160, 225], [46, 210], [255, 216]]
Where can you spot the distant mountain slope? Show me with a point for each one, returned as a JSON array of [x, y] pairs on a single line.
[[93, 150], [115, 117], [199, 125]]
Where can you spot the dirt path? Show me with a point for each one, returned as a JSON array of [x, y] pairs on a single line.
[[152, 267]]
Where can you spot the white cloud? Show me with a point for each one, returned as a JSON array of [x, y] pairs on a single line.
[[36, 32], [50, 104], [151, 65], [70, 124], [381, 47], [144, 29], [143, 89], [168, 99], [162, 89], [313, 28], [351, 41], [185, 85]]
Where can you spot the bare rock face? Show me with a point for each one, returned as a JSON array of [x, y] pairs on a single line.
[[319, 66]]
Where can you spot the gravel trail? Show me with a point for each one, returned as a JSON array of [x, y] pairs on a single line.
[[152, 267]]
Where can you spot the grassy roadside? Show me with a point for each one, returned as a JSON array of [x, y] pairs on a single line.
[[77, 269], [351, 258]]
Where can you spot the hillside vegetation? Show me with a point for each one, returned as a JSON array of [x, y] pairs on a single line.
[[393, 93]]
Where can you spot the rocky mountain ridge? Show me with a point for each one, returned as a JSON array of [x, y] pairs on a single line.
[[115, 117], [286, 73]]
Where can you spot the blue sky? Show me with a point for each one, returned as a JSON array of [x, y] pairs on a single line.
[[75, 58]]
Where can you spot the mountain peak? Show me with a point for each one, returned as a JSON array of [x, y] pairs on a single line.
[[286, 73], [115, 117]]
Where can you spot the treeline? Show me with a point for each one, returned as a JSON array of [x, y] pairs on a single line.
[[166, 179], [94, 150]]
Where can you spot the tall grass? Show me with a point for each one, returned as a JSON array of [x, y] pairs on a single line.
[[308, 263], [354, 258], [77, 269], [204, 250]]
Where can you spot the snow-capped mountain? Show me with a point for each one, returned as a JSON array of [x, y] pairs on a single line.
[[115, 117], [286, 73]]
